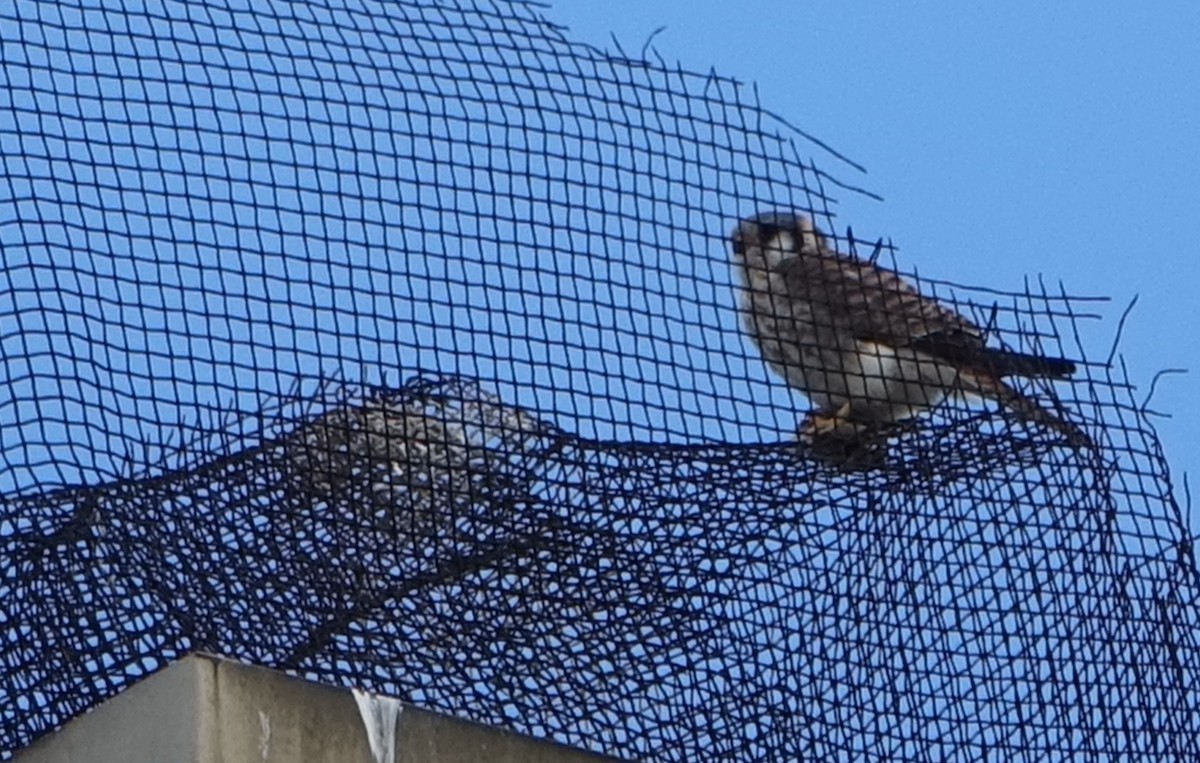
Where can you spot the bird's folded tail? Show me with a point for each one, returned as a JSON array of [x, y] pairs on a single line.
[[1030, 411]]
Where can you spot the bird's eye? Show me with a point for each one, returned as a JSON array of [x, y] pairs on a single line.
[[771, 224]]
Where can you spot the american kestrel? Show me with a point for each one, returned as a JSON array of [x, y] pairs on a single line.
[[862, 344]]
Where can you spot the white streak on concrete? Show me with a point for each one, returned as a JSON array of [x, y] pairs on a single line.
[[264, 735], [379, 715]]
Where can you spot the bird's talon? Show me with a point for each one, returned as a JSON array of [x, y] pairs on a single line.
[[826, 425]]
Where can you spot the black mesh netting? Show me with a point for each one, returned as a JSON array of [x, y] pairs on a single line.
[[231, 230]]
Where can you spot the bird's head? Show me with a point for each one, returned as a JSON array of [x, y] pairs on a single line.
[[767, 239]]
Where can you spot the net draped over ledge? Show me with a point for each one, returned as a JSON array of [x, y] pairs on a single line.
[[396, 345]]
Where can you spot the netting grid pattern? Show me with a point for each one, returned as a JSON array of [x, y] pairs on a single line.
[[396, 345]]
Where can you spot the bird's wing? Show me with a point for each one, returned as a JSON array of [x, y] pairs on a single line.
[[874, 304]]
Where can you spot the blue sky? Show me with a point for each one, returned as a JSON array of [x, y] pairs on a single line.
[[353, 181], [1008, 139]]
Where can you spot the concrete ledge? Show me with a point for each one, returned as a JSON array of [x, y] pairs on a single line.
[[204, 709]]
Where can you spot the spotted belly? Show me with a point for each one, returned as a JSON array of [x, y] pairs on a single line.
[[880, 383]]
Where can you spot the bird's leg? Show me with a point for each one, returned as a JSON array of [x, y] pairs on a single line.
[[839, 439], [839, 424]]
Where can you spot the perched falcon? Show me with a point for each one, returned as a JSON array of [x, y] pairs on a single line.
[[862, 344]]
